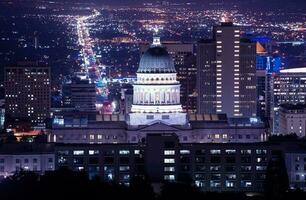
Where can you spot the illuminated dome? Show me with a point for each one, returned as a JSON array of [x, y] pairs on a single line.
[[156, 60]]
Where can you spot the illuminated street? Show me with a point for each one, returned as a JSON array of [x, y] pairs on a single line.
[[91, 69]]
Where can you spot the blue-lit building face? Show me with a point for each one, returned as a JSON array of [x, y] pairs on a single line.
[[2, 117], [269, 63]]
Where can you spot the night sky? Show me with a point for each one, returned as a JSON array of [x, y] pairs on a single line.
[[262, 2]]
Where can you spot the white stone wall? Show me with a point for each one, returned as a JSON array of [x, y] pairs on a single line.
[[293, 123]]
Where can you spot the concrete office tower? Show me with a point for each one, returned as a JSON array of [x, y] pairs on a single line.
[[28, 92], [156, 91], [226, 73], [185, 64], [289, 87]]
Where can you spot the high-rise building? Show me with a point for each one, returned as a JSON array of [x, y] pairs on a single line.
[[28, 92], [289, 87], [185, 65], [226, 73]]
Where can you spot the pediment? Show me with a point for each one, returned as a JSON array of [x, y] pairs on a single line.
[[159, 126]]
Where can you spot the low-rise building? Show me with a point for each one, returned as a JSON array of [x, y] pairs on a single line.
[[235, 167], [100, 129], [29, 157], [292, 119]]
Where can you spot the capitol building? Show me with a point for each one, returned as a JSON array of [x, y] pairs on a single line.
[[156, 109], [156, 95]]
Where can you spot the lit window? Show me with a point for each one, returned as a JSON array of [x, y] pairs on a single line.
[[230, 151], [261, 168], [169, 169], [93, 152], [215, 151], [246, 184], [169, 160], [169, 177], [124, 152], [215, 184], [184, 151], [248, 151], [169, 152], [78, 152], [124, 168], [261, 151], [229, 184]]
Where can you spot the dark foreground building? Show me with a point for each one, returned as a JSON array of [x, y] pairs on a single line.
[[212, 167], [238, 167]]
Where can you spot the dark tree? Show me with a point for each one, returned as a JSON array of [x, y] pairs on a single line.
[[277, 182], [141, 188]]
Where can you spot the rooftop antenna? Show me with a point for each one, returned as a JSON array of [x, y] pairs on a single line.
[[156, 38]]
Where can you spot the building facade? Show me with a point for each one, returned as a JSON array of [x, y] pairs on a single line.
[[28, 92], [292, 119], [16, 157], [80, 94], [296, 168], [225, 167], [100, 129], [226, 73], [288, 87], [211, 167]]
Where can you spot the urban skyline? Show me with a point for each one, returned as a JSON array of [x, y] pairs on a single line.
[[153, 98]]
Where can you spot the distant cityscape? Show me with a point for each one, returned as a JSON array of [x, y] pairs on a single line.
[[208, 96]]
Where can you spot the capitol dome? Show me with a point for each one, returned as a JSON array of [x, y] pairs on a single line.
[[156, 60]]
